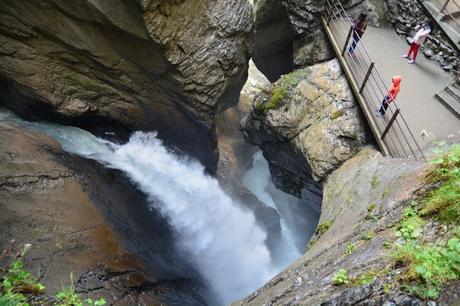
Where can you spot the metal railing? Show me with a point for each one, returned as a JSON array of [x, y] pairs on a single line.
[[391, 131]]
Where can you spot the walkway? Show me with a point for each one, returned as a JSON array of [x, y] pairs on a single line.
[[447, 15], [420, 83], [416, 119]]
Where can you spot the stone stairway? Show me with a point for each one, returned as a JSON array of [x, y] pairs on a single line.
[[450, 97]]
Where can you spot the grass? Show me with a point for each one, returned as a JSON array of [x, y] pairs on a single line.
[[19, 286], [429, 267], [443, 203], [368, 236], [350, 248], [323, 227]]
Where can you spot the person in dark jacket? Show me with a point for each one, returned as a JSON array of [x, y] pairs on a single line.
[[359, 27]]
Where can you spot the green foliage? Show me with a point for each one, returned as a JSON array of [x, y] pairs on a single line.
[[68, 297], [17, 283], [278, 94], [375, 182], [387, 288], [350, 248], [412, 225], [364, 279], [368, 235], [323, 227], [443, 203], [340, 278], [371, 207], [429, 267], [281, 90]]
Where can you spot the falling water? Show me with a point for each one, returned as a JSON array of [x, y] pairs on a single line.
[[222, 240]]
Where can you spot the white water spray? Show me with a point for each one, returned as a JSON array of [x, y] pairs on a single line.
[[221, 239]]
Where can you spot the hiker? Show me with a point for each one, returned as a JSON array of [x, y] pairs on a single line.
[[359, 27], [417, 41], [390, 96]]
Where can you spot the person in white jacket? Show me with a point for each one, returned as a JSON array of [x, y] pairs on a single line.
[[418, 40]]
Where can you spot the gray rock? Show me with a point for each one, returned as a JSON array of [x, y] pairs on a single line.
[[317, 124], [127, 65]]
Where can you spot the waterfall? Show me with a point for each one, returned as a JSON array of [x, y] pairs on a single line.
[[220, 239]]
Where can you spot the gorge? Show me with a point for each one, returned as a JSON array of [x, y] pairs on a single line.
[[145, 158]]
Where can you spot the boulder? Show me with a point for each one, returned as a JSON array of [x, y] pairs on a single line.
[[307, 124], [121, 65]]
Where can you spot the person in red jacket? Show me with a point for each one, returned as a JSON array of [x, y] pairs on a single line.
[[390, 96]]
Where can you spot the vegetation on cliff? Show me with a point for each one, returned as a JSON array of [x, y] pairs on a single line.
[[19, 288]]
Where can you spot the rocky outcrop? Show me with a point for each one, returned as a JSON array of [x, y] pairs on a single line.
[[123, 65], [307, 124], [366, 186], [405, 16], [61, 204], [289, 34]]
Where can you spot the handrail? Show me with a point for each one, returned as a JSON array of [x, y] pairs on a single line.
[[394, 136]]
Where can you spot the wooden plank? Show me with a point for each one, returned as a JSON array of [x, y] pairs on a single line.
[[354, 86]]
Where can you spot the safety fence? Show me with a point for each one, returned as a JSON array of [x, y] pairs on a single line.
[[391, 131]]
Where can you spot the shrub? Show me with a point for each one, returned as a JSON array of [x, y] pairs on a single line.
[[323, 227], [429, 267], [350, 248], [340, 278]]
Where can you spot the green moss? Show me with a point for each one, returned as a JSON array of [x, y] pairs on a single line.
[[323, 227], [371, 207], [336, 114], [375, 182], [278, 94], [368, 235], [340, 278], [281, 89], [85, 82], [350, 248]]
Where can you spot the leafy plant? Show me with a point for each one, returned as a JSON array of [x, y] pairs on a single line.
[[368, 235], [17, 283], [323, 227], [350, 248], [340, 278], [364, 279], [429, 267], [412, 225], [443, 203]]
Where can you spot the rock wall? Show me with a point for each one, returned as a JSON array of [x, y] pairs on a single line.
[[125, 65], [364, 180], [61, 204], [405, 16], [288, 34], [307, 124]]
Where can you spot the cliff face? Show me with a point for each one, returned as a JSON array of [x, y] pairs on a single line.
[[163, 65], [288, 34], [60, 204], [363, 199], [307, 124]]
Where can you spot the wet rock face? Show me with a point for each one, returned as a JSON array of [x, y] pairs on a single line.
[[127, 65], [289, 34], [313, 128], [366, 178], [61, 204], [405, 15]]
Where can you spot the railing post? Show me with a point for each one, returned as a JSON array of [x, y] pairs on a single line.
[[392, 120], [347, 41], [444, 6], [366, 78]]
